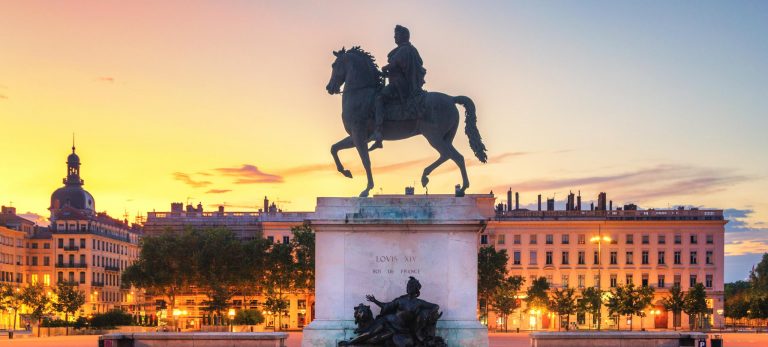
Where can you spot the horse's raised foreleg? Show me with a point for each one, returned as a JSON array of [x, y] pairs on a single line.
[[343, 144], [428, 170], [362, 149]]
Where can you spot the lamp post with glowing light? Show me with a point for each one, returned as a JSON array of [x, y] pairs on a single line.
[[231, 315], [599, 239]]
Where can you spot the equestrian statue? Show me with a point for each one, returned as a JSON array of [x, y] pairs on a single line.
[[373, 111]]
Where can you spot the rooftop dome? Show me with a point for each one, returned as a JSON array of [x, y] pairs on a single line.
[[73, 196]]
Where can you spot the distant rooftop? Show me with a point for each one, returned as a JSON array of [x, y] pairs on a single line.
[[617, 215]]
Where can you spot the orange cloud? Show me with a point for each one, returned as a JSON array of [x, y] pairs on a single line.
[[107, 79], [186, 179], [218, 191], [249, 174]]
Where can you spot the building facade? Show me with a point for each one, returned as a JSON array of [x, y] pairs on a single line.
[[603, 248]]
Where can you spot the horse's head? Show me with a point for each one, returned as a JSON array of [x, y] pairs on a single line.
[[338, 72], [353, 68]]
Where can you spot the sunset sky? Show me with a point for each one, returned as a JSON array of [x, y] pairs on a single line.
[[657, 103]]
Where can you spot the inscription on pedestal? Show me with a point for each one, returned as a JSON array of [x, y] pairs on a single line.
[[403, 265]]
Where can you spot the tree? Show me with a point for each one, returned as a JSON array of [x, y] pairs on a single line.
[[491, 271], [248, 317], [219, 265], [303, 244], [644, 297], [38, 302], [674, 302], [276, 305], [536, 295], [13, 299], [68, 300], [737, 295], [251, 280], [592, 302], [165, 265], [695, 304], [758, 278], [279, 276], [563, 302], [623, 302], [504, 299]]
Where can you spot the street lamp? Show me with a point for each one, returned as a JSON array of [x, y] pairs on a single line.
[[599, 239], [231, 315]]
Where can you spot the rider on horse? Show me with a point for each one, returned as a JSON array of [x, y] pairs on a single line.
[[405, 71]]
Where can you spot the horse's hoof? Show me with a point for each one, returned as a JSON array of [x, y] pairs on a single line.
[[364, 194], [375, 145], [424, 181], [347, 173]]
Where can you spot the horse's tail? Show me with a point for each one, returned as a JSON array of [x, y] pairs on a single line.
[[470, 127]]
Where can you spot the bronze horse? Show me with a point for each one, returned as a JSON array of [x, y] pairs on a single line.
[[437, 119]]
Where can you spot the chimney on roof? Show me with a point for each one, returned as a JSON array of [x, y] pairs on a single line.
[[190, 208], [569, 204], [199, 207], [8, 210], [221, 208], [509, 199], [591, 205], [177, 207], [610, 205], [539, 202], [601, 201], [409, 190], [517, 201], [550, 204], [266, 204], [578, 202]]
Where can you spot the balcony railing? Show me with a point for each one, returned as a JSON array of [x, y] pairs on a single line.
[[97, 284], [112, 268], [71, 248], [72, 265]]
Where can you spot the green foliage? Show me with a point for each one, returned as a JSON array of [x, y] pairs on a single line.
[[68, 300], [166, 264], [758, 278], [563, 302], [537, 297], [749, 299], [737, 299], [303, 244], [628, 301], [591, 302], [491, 271], [695, 304], [215, 261], [37, 301], [504, 299], [248, 317], [11, 298], [674, 302], [111, 319]]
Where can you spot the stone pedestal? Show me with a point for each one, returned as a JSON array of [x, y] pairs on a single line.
[[372, 245]]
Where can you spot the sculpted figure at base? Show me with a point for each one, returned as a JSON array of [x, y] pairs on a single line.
[[373, 111], [404, 322]]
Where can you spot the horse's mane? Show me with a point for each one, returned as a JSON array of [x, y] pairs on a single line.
[[371, 61]]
